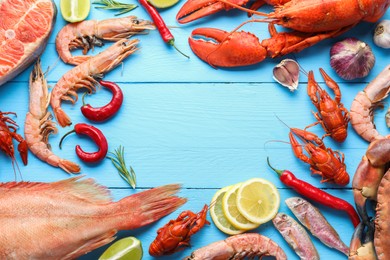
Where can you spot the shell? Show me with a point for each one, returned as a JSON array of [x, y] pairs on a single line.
[[382, 224]]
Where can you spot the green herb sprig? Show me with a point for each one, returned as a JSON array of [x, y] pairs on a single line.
[[118, 159], [114, 5]]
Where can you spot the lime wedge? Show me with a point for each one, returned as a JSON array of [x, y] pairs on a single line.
[[128, 248], [163, 3], [75, 10]]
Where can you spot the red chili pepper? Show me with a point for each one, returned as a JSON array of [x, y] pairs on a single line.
[[100, 114], [160, 24], [97, 136], [316, 194]]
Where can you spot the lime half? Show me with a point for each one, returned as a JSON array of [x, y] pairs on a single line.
[[128, 248], [163, 3], [75, 10]]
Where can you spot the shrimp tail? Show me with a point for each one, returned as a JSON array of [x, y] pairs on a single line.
[[68, 166], [62, 118]]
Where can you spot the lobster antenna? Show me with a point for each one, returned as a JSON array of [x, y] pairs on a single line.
[[300, 67], [245, 9]]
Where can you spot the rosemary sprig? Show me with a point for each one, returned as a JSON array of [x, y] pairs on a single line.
[[118, 159], [114, 5]]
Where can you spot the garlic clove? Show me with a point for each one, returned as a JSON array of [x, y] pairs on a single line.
[[382, 34], [351, 58], [286, 73]]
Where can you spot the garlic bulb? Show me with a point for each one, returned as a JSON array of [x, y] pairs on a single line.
[[351, 58], [382, 34], [286, 73]]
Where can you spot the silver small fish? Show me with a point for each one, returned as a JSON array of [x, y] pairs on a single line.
[[313, 220], [296, 236]]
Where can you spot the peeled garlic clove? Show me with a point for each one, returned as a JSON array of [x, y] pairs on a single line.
[[382, 34], [286, 73], [351, 58]]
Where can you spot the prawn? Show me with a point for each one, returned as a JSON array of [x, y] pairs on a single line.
[[38, 125], [90, 33], [238, 247], [362, 108], [85, 75]]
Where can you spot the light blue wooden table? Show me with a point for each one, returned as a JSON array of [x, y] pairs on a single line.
[[185, 122]]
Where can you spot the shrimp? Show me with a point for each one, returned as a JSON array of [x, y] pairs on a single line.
[[238, 247], [38, 125], [90, 33], [362, 108], [85, 75]]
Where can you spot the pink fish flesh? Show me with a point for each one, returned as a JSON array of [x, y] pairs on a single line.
[[68, 218], [25, 27]]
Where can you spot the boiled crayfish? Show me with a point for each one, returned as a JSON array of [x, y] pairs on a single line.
[[323, 161], [177, 233], [332, 114], [311, 21], [7, 133]]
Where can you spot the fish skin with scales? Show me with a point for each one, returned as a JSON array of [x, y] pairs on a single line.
[[316, 223]]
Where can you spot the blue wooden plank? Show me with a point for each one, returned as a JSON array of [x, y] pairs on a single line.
[[195, 133]]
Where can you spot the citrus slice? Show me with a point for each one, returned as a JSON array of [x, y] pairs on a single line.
[[128, 248], [258, 200], [217, 215], [229, 206], [75, 10], [163, 3]]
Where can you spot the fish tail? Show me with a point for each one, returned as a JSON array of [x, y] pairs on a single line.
[[149, 206]]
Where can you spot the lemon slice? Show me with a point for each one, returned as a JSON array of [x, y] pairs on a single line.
[[258, 200], [218, 216], [163, 3], [75, 10], [229, 205], [128, 248]]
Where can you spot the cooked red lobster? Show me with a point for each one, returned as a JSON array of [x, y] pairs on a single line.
[[311, 21]]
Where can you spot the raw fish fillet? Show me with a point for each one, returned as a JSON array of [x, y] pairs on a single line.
[[68, 218], [25, 27]]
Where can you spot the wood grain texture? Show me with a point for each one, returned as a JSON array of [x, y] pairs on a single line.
[[185, 122]]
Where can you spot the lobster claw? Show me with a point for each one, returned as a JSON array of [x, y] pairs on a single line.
[[195, 9], [225, 49]]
